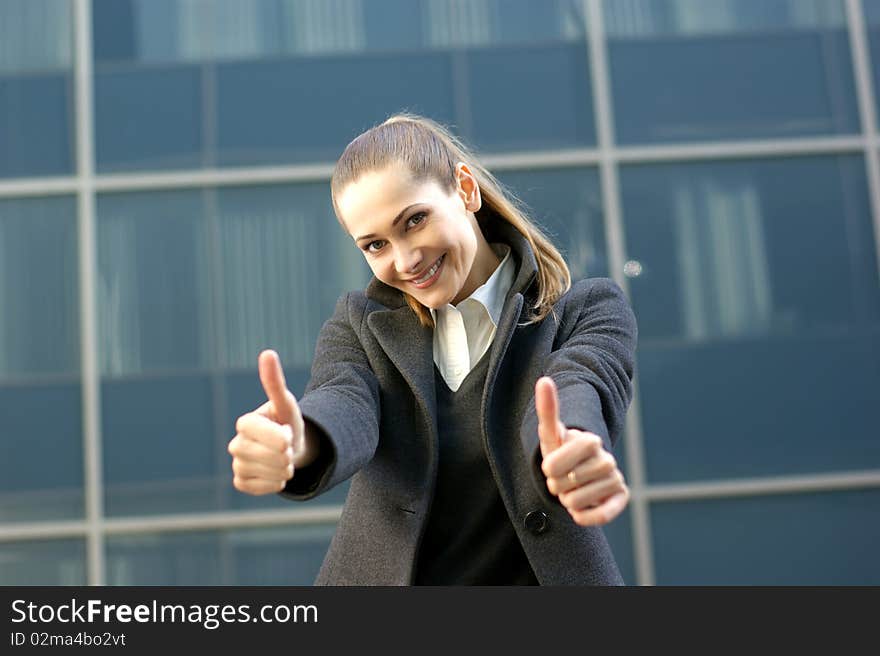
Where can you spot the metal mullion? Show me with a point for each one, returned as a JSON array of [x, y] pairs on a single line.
[[198, 178], [613, 217], [23, 187], [829, 482], [119, 182], [50, 530], [173, 523], [723, 150], [223, 520], [858, 36], [91, 403]]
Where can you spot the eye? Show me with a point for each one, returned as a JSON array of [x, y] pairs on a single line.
[[374, 246], [416, 218]]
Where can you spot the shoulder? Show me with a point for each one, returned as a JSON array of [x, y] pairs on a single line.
[[594, 305], [348, 313], [586, 294]]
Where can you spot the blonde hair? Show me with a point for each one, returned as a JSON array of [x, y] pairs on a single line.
[[430, 152]]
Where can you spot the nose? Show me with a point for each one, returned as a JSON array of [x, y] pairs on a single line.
[[407, 260]]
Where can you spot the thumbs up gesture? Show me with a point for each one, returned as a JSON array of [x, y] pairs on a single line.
[[580, 472], [270, 441]]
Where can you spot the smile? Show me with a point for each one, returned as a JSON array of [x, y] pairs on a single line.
[[430, 275]]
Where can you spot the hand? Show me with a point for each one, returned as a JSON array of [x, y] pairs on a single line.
[[579, 471], [269, 439]]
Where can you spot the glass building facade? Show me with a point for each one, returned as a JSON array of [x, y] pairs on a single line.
[[165, 215]]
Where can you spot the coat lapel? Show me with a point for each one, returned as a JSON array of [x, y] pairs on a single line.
[[409, 345]]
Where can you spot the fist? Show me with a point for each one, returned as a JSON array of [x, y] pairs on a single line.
[[580, 472], [268, 439]]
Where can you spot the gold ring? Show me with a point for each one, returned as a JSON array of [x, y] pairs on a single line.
[[572, 477]]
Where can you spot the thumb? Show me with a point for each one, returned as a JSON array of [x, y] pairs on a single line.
[[550, 428], [272, 378]]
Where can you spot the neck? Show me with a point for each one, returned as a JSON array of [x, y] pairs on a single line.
[[485, 263]]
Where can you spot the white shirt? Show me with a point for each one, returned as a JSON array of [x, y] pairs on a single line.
[[463, 333]]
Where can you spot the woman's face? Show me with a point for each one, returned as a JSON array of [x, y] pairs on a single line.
[[415, 236]]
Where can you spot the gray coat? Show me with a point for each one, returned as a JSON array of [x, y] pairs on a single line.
[[371, 392]]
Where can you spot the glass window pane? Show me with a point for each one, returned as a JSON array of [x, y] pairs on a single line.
[[567, 204], [36, 114], [153, 288], [828, 538], [38, 286], [690, 70], [272, 111], [153, 119], [872, 20], [289, 555], [181, 83], [39, 361], [188, 297], [161, 448], [278, 290], [758, 296], [39, 418], [44, 562], [285, 262]]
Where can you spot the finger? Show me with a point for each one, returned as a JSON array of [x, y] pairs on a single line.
[[260, 429], [579, 448], [258, 485], [249, 451], [550, 428], [602, 465], [272, 378], [592, 494], [604, 513], [245, 469]]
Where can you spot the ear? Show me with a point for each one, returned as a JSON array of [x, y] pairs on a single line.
[[468, 188]]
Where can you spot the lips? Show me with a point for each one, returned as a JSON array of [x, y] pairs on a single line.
[[430, 274]]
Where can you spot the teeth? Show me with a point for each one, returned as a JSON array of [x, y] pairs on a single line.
[[430, 272]]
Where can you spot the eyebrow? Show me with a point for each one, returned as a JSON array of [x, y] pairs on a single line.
[[393, 223]]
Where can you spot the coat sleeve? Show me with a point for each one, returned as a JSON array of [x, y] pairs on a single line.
[[592, 366], [341, 402]]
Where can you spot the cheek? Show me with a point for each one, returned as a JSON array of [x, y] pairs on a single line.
[[380, 269]]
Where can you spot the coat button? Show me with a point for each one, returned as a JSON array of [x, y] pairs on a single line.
[[537, 522]]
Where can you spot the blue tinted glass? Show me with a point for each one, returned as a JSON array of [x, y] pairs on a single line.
[[531, 97], [872, 11], [183, 84], [41, 418], [829, 538], [169, 458], [872, 19], [727, 69], [758, 295], [153, 282], [35, 125], [286, 260], [186, 30], [265, 556], [36, 114], [49, 562], [295, 110], [567, 205], [186, 301], [39, 291], [149, 118]]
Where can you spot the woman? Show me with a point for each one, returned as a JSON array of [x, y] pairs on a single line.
[[472, 393]]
